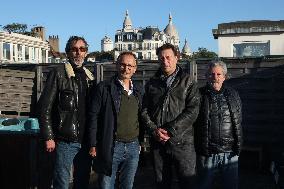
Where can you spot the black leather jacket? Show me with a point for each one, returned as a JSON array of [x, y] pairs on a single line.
[[58, 105], [224, 134], [173, 108]]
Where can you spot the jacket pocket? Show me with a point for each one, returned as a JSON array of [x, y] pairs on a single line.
[[67, 100], [67, 128]]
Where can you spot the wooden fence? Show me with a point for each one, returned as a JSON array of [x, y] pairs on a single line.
[[260, 83]]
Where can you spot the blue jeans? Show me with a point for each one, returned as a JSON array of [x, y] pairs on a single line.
[[218, 171], [125, 160], [68, 153]]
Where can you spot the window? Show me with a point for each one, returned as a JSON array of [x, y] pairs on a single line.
[[36, 57], [156, 45], [251, 49], [20, 52], [6, 51], [149, 55], [33, 54], [27, 53], [129, 37], [14, 52], [148, 46], [129, 47], [139, 55], [139, 36], [43, 56]]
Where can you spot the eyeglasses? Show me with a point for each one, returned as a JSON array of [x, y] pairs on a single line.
[[122, 65], [81, 49]]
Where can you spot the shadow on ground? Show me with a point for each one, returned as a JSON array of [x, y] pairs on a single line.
[[249, 178]]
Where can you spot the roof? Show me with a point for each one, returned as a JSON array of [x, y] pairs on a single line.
[[246, 27], [148, 32], [170, 28], [127, 21]]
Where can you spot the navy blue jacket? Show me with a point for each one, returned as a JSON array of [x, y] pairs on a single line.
[[102, 120]]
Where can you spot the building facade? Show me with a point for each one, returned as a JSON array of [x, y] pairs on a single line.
[[250, 38], [18, 48], [106, 44], [144, 41]]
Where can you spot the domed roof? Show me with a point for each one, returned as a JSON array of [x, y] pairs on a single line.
[[170, 28], [186, 50], [127, 24], [106, 39]]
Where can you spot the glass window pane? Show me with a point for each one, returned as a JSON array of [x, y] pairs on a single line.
[[251, 49], [6, 51], [27, 53]]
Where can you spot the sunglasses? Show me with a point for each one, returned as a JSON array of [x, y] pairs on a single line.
[[81, 49]]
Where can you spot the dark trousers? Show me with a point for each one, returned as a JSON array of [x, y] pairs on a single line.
[[179, 160], [82, 168]]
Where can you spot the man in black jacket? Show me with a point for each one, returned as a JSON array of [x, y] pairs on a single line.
[[170, 107], [218, 131], [115, 127], [62, 108]]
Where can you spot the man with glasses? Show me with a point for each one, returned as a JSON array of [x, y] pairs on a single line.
[[62, 108], [114, 123], [170, 107]]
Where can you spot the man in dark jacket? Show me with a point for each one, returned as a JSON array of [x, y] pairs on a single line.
[[218, 131], [114, 125], [62, 115], [170, 107]]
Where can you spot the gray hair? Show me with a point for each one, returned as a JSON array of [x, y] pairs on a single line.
[[215, 63]]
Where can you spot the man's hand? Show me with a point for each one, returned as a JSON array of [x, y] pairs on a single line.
[[93, 151], [161, 135], [50, 145]]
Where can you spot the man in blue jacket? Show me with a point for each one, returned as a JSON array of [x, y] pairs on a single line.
[[114, 125]]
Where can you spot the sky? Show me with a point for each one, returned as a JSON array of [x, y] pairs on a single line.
[[93, 19]]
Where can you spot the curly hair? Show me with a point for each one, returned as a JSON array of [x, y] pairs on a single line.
[[74, 39], [215, 63]]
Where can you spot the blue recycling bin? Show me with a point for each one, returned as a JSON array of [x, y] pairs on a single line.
[[19, 140], [22, 125]]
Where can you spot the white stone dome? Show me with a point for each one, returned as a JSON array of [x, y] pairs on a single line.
[[186, 50], [170, 29], [127, 24]]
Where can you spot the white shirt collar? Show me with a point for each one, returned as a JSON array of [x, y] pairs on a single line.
[[130, 91]]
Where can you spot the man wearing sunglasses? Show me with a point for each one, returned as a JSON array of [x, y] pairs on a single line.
[[114, 125], [62, 108]]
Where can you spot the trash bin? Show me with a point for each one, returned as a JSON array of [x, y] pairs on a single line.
[[19, 153]]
